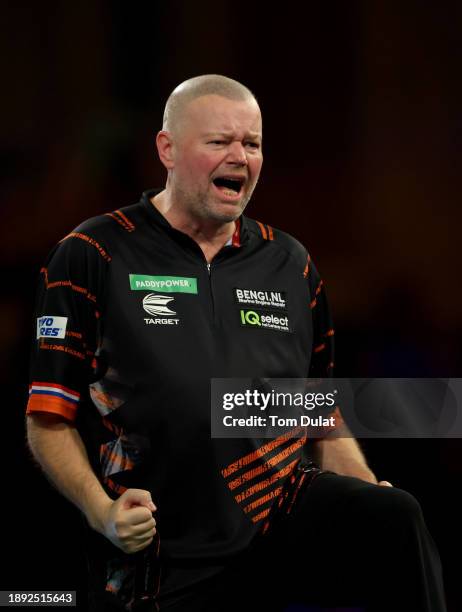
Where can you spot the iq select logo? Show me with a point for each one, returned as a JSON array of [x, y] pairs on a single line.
[[259, 319], [51, 327]]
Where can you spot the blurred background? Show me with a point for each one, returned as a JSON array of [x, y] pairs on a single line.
[[362, 119]]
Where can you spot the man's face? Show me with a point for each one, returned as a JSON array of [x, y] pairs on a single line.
[[217, 157]]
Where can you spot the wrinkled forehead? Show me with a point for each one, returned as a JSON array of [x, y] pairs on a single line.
[[215, 114]]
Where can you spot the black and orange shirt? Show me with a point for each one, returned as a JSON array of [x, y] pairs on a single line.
[[131, 325]]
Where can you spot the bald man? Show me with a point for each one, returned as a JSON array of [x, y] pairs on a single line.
[[137, 310]]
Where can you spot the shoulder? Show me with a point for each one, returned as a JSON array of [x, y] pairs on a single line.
[[278, 239], [111, 225], [100, 235]]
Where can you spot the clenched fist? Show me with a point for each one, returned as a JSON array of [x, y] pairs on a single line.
[[128, 521]]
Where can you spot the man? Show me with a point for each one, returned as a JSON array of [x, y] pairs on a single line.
[[137, 311]]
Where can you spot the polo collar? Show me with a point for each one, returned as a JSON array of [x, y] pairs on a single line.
[[238, 238]]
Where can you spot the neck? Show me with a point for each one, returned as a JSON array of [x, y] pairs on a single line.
[[209, 234]]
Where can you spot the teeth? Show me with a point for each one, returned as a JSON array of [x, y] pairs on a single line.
[[229, 192]]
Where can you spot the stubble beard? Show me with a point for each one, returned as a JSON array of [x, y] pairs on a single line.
[[200, 206]]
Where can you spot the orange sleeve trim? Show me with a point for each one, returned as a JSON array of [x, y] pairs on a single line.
[[73, 334], [125, 219], [306, 271], [55, 405], [90, 241], [120, 221], [75, 288], [263, 230], [67, 283], [329, 333], [319, 348], [270, 233], [63, 349]]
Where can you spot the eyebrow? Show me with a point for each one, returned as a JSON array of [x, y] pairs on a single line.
[[229, 134]]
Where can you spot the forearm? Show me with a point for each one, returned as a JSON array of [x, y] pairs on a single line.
[[339, 452], [58, 448]]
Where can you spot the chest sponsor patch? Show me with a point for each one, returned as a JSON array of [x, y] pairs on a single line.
[[262, 319], [159, 307], [265, 299], [165, 284], [51, 327]]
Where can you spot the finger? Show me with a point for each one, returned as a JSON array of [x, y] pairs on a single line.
[[143, 527], [146, 535], [138, 515], [385, 483], [126, 534], [138, 497], [139, 546]]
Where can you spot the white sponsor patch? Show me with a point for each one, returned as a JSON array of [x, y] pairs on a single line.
[[51, 327], [255, 297]]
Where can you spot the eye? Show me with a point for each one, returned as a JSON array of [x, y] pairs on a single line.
[[253, 145], [218, 142]]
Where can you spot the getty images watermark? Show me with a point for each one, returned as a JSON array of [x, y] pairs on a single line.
[[370, 408]]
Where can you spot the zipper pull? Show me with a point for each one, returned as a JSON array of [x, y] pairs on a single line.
[[208, 268]]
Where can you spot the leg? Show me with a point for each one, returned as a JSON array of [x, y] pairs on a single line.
[[348, 542]]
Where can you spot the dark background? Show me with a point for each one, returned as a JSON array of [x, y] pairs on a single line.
[[361, 105]]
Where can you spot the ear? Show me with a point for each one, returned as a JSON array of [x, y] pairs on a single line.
[[164, 145]]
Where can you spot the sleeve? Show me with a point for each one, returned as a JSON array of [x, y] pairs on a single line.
[[322, 354], [68, 309]]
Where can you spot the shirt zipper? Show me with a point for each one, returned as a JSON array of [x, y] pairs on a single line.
[[209, 270]]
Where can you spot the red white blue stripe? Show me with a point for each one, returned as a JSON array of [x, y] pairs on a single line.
[[54, 390]]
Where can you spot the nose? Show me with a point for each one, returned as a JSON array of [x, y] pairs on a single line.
[[237, 154]]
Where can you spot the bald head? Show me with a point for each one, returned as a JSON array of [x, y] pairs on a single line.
[[207, 84]]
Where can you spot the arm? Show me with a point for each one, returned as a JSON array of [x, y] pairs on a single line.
[[337, 451], [72, 283], [340, 453], [58, 448]]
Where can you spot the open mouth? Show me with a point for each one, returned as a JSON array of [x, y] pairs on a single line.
[[229, 185]]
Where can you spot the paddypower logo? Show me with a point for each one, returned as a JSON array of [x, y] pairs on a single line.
[[165, 284], [258, 319]]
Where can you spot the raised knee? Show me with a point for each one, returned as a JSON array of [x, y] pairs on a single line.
[[389, 504], [403, 503]]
